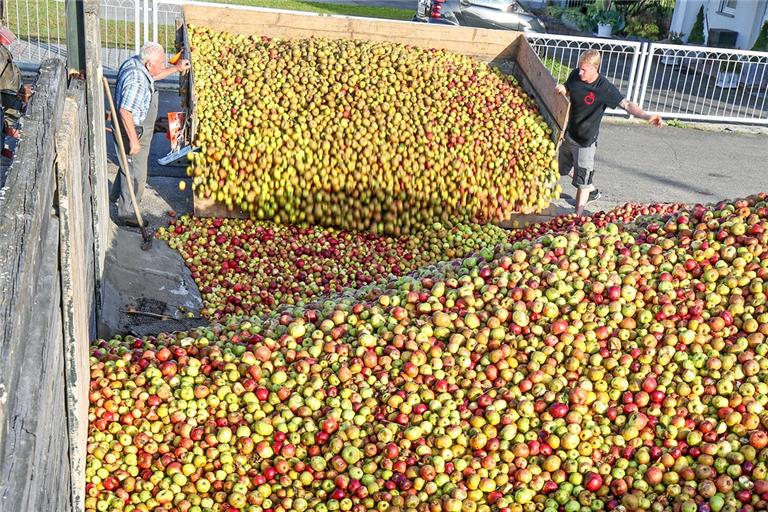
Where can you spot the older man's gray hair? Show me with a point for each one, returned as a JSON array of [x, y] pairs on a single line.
[[151, 49]]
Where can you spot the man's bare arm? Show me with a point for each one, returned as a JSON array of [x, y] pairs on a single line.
[[634, 109], [182, 66]]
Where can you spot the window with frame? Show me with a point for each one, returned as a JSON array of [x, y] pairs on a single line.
[[728, 7]]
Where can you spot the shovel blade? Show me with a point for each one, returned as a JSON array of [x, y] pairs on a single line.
[[175, 156]]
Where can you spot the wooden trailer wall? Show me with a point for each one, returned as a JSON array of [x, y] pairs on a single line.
[[47, 302], [507, 50]]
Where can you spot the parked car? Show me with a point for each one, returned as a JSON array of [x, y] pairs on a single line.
[[497, 14]]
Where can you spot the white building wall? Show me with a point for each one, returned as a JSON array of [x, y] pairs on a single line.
[[749, 17], [742, 22], [684, 16]]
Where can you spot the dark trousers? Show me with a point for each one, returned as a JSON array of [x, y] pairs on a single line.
[[137, 166]]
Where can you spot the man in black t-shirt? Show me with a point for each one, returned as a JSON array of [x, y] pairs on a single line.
[[590, 94]]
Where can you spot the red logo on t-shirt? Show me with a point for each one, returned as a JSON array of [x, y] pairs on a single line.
[[589, 99]]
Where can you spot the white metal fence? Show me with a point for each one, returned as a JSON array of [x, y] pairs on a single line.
[[685, 82], [620, 59], [40, 27], [702, 83]]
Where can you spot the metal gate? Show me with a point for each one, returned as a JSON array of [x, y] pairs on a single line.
[[675, 81], [40, 28], [706, 84]]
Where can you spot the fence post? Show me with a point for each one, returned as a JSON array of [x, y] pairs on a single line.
[[137, 25], [648, 64], [146, 5], [154, 20], [75, 35], [633, 73]]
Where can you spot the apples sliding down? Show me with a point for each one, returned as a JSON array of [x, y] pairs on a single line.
[[363, 136]]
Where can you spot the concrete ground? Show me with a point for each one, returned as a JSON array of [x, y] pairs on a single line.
[[635, 163], [639, 163]]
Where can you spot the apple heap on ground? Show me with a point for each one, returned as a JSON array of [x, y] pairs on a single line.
[[364, 136], [609, 368], [245, 267], [625, 214]]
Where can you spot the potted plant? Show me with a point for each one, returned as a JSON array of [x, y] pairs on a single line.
[[607, 21]]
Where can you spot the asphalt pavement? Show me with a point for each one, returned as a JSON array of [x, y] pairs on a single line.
[[636, 162]]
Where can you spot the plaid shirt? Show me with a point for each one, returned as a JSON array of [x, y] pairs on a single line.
[[134, 89]]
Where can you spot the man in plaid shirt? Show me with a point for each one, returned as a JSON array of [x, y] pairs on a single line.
[[136, 101]]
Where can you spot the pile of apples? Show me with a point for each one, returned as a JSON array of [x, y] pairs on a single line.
[[364, 136], [605, 368], [625, 214], [246, 267]]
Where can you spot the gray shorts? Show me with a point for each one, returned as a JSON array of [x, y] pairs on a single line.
[[580, 159]]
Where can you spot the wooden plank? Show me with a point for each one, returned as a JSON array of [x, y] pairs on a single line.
[[187, 85], [543, 87], [39, 438], [97, 144], [25, 219], [77, 299], [210, 208], [482, 43]]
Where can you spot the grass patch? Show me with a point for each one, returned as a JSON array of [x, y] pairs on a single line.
[[558, 70], [323, 8], [676, 123], [44, 21], [38, 21]]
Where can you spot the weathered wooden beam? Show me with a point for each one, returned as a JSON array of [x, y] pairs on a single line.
[[34, 465], [77, 294], [97, 142]]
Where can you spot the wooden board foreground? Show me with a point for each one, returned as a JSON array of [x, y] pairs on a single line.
[[209, 208]]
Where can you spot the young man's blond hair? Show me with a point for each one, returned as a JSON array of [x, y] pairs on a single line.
[[592, 57]]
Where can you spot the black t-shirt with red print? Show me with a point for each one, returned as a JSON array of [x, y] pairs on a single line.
[[588, 103]]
